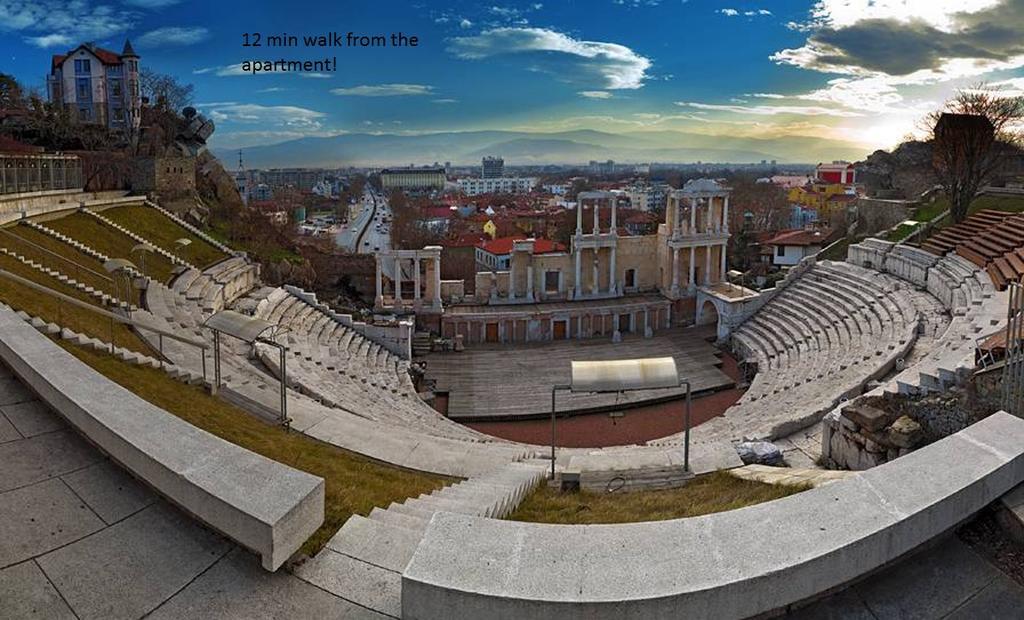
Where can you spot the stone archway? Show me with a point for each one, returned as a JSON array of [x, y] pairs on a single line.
[[708, 313]]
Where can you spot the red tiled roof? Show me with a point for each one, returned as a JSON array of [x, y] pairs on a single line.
[[105, 56], [436, 212], [801, 237], [503, 245], [464, 241]]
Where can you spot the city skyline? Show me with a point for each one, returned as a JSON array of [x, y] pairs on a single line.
[[854, 71]]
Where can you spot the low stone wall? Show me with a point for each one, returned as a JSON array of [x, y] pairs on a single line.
[[17, 206], [261, 504], [736, 564]]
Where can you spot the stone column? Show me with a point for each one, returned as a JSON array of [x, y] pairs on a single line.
[[614, 225], [437, 280], [675, 271], [579, 326], [529, 282], [725, 215], [579, 217], [416, 279], [576, 286], [693, 215], [613, 285], [398, 281], [707, 264], [378, 300], [512, 275], [690, 284], [721, 272], [597, 274], [648, 330], [597, 222]]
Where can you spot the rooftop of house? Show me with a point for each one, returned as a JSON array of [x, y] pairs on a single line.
[[803, 237], [503, 245], [105, 56]]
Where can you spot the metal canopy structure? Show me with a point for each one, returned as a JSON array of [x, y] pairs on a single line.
[[615, 376], [624, 375], [251, 331], [244, 327], [117, 264]]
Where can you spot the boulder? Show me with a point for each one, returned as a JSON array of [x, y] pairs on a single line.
[[871, 418], [905, 433], [759, 453]]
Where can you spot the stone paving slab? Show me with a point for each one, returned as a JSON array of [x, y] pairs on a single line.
[[7, 430], [12, 391], [27, 593], [130, 568], [364, 584], [32, 418], [42, 457], [790, 476], [41, 517], [237, 587], [110, 491]]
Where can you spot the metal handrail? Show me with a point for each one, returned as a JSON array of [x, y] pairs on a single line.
[[36, 246], [61, 297]]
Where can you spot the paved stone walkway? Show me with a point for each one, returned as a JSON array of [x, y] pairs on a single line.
[[80, 538], [948, 580]]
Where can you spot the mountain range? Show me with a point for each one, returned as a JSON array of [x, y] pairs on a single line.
[[535, 148]]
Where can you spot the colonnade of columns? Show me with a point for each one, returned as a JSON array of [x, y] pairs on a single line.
[[431, 289]]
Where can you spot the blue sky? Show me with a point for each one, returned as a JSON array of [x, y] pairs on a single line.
[[862, 71]]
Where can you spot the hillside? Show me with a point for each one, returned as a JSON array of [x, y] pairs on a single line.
[[570, 147]]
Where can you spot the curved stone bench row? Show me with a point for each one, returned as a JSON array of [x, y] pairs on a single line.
[[818, 341], [265, 506], [737, 564]]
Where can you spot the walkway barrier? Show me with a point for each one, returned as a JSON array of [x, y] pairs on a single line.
[[736, 564], [263, 505]]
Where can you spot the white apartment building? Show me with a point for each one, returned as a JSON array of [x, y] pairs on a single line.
[[504, 185]]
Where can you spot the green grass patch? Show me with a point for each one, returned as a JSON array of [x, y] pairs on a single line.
[[115, 244], [900, 233], [46, 307], [836, 251], [716, 492], [161, 230], [353, 484]]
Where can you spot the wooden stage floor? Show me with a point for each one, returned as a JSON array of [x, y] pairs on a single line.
[[511, 382]]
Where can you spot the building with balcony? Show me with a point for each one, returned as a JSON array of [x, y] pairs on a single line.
[[502, 185], [98, 86]]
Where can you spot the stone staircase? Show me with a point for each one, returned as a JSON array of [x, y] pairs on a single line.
[[192, 229], [363, 562], [78, 245], [140, 239], [104, 298]]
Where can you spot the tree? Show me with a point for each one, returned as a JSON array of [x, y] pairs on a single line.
[[164, 91], [972, 136], [766, 202], [12, 95]]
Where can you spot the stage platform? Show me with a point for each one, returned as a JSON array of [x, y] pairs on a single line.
[[509, 382]]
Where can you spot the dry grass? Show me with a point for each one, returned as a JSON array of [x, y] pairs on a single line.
[[354, 484], [109, 241], [161, 230], [716, 492]]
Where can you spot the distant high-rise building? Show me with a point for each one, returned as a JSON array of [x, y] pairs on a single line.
[[492, 168]]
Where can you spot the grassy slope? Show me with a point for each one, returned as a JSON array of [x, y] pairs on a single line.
[[161, 230], [715, 492], [37, 303], [354, 484], [109, 241]]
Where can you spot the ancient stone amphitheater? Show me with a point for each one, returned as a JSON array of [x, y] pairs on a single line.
[[113, 507]]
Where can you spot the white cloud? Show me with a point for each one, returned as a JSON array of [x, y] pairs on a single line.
[[770, 110], [728, 12], [173, 35], [596, 94], [765, 95], [50, 40], [293, 118], [152, 4], [50, 23], [384, 90], [605, 65], [465, 23], [272, 89], [316, 75], [444, 101]]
